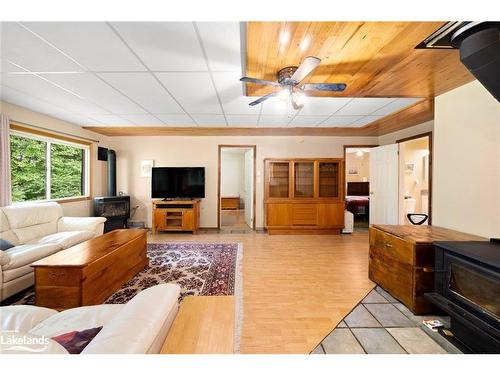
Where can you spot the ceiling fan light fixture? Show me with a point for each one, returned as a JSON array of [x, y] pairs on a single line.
[[299, 98]]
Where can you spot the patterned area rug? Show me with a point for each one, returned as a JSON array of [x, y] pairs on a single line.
[[206, 269]]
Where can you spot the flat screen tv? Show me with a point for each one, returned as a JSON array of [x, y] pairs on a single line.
[[178, 182]]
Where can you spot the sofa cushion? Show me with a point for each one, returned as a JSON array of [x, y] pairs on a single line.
[[75, 341], [65, 239], [15, 273], [23, 255], [28, 234], [5, 245], [23, 318], [77, 319], [138, 327], [5, 231], [27, 215]]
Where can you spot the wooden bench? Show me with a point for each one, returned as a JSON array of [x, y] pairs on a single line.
[[204, 325], [90, 272]]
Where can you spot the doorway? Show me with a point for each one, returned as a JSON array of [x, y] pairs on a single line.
[[415, 177], [357, 180], [236, 188]]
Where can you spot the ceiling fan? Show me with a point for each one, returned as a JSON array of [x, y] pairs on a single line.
[[289, 80]]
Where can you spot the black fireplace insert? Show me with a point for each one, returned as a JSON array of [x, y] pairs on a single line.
[[467, 287]]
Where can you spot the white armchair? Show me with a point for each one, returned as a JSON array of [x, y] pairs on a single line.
[[37, 230]]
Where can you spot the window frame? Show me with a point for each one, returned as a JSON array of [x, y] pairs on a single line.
[[51, 138]]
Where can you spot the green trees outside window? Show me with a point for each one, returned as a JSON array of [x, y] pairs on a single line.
[[33, 179]]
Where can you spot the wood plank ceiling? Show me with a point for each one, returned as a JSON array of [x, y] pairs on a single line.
[[374, 59]]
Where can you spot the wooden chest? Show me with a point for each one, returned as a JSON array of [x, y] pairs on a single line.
[[88, 273], [402, 260], [230, 203]]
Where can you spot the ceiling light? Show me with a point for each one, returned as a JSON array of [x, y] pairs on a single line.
[[299, 98], [284, 95], [359, 153], [305, 43]]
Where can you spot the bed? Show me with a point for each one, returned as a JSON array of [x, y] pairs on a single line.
[[357, 199]]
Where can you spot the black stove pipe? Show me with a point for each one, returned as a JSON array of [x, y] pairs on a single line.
[[111, 173]]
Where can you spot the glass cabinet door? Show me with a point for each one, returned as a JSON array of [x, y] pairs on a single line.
[[304, 179], [279, 179], [328, 179]]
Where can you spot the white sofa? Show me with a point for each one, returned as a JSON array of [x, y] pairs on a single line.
[[37, 230], [132, 328]]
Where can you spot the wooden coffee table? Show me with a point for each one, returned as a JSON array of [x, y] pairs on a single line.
[[88, 273]]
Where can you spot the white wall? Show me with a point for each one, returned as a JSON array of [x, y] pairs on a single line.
[[20, 114], [466, 181], [232, 173], [389, 138], [202, 151], [362, 163]]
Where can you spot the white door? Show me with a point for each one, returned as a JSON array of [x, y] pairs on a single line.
[[384, 185], [249, 188]]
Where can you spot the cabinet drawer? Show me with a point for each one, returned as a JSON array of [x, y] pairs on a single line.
[[392, 246], [304, 214]]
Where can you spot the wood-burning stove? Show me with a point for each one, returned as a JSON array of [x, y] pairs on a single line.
[[467, 287]]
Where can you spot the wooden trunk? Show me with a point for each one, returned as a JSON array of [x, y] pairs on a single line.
[[90, 272], [402, 261]]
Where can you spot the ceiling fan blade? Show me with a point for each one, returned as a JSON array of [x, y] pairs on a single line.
[[260, 81], [308, 65], [324, 86], [261, 99]]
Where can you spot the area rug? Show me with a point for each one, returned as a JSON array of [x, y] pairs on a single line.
[[200, 269]]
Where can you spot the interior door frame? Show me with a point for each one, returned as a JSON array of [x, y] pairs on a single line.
[[254, 177], [429, 136]]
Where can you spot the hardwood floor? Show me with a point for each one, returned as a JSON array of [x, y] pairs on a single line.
[[296, 289]]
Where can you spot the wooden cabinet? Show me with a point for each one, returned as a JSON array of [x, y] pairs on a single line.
[[304, 196], [229, 203], [176, 216], [402, 261]]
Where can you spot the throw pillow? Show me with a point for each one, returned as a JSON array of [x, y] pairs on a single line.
[[5, 245], [75, 341]]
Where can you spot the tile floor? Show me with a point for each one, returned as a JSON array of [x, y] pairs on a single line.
[[382, 325]]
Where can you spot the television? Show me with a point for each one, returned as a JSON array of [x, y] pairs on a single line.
[[178, 182]]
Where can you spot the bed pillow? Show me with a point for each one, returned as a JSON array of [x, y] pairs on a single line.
[[75, 341], [5, 245]]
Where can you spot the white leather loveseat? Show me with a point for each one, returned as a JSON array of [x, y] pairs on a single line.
[[132, 328], [36, 231]]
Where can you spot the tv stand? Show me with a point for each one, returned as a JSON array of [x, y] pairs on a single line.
[[176, 215]]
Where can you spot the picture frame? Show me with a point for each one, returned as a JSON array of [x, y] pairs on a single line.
[[353, 170], [147, 167], [409, 168]]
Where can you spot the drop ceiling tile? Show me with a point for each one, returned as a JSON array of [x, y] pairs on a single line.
[[92, 44], [318, 106], [164, 46], [40, 88], [230, 91], [175, 120], [396, 106], [22, 99], [7, 67], [275, 106], [363, 106], [144, 89], [364, 121], [269, 121], [242, 120], [77, 119], [142, 119], [24, 48], [216, 121], [222, 44], [94, 89], [340, 121], [194, 91], [111, 120], [300, 121]]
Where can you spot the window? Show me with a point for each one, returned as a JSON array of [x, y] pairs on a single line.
[[44, 168]]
